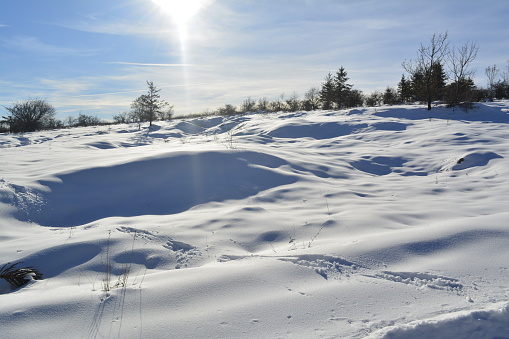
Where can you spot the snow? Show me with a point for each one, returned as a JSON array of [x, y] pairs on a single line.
[[387, 222]]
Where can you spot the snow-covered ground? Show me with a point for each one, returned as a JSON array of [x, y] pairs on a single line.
[[388, 222]]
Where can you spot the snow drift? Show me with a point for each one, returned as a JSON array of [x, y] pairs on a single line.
[[382, 223]]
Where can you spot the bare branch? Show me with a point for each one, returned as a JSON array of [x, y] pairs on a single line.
[[460, 59]]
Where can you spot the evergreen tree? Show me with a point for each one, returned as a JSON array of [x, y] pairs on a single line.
[[429, 85], [405, 89], [438, 81], [355, 98], [327, 92], [390, 96], [460, 93], [148, 107], [341, 89], [374, 99]]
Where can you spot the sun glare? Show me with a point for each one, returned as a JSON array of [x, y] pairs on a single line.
[[181, 10]]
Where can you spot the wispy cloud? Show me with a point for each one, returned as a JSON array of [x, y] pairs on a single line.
[[150, 65], [118, 27], [34, 45]]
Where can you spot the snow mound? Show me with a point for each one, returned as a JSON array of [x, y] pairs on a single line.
[[474, 159], [156, 186], [382, 165], [320, 131], [487, 324]]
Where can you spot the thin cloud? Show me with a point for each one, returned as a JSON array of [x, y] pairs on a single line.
[[148, 64], [117, 28], [33, 45]]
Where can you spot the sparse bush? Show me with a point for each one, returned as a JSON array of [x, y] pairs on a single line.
[[227, 110], [263, 104], [87, 120], [121, 118], [278, 105], [311, 99], [166, 114], [293, 102], [29, 115], [248, 105], [374, 99]]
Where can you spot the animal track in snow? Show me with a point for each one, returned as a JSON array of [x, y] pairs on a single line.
[[327, 267], [185, 254], [422, 280]]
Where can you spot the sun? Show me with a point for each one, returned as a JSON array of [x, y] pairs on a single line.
[[181, 10]]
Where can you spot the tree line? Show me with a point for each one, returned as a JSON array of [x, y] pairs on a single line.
[[440, 73]]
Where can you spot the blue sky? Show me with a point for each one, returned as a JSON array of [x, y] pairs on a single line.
[[96, 56]]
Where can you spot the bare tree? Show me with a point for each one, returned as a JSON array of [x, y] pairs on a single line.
[[312, 99], [166, 113], [293, 102], [121, 118], [29, 115], [505, 75], [461, 58], [428, 57], [491, 73], [459, 62]]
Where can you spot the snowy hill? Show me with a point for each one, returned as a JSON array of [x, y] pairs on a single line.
[[387, 222]]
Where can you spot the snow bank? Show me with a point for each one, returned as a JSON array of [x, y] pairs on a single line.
[[485, 324]]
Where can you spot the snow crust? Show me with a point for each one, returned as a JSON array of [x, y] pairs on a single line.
[[387, 222]]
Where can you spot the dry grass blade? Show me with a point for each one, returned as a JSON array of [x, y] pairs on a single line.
[[18, 277]]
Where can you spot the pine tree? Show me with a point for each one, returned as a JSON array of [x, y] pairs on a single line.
[[148, 107], [429, 85], [327, 92], [405, 89], [438, 81], [390, 96], [341, 88]]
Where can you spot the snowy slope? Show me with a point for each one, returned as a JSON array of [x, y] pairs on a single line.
[[388, 222]]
